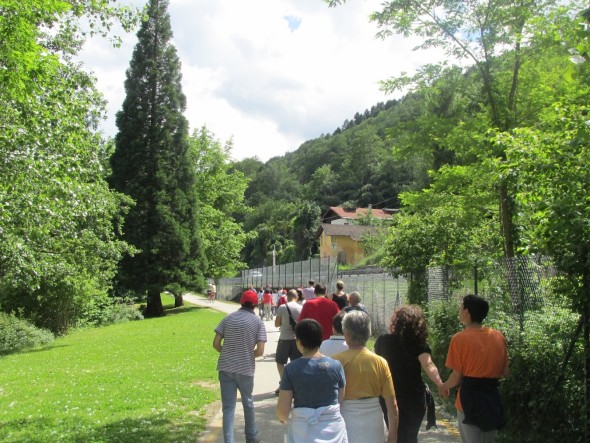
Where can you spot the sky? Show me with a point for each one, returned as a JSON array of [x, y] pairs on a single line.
[[268, 74]]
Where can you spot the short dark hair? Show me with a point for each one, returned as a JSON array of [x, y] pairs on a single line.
[[300, 294], [337, 322], [320, 289], [477, 307], [310, 282], [309, 333]]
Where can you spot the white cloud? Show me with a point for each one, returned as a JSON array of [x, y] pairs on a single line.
[[269, 73]]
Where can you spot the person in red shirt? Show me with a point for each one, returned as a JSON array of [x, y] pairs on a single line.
[[267, 300], [282, 298], [320, 309]]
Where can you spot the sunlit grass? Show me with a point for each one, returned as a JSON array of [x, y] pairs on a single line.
[[143, 381]]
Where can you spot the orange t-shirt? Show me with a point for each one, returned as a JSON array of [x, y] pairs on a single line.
[[477, 352]]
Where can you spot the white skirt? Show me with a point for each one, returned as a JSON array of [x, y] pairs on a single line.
[[316, 425], [364, 421]]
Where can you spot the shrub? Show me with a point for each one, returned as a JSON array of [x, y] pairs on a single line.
[[443, 323], [17, 334], [536, 408], [553, 412], [105, 310]]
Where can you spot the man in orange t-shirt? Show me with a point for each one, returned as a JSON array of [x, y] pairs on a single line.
[[478, 357]]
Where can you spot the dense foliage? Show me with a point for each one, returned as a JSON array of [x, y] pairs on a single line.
[[58, 248], [220, 190], [539, 383], [152, 164]]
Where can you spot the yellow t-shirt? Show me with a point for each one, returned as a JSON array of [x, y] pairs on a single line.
[[367, 374]]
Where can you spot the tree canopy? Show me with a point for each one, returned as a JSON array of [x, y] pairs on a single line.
[[152, 164], [58, 248]]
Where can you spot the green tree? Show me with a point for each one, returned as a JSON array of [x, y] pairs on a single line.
[[451, 223], [305, 226], [481, 32], [152, 164], [551, 161], [221, 199], [58, 249]]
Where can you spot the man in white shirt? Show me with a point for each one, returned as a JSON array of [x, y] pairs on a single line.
[[287, 348], [309, 292], [336, 343], [239, 339], [275, 301]]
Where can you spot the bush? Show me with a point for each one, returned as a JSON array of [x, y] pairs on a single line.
[[105, 310], [17, 334], [536, 409], [553, 412], [443, 323]]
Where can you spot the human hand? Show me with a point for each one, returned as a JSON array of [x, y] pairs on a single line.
[[443, 391]]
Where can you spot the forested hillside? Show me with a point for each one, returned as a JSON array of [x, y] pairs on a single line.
[[355, 166]]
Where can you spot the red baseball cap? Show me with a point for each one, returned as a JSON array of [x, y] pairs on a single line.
[[249, 296]]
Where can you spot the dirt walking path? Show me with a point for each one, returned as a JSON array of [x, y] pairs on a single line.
[[266, 380]]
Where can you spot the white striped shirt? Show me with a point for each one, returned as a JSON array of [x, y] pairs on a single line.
[[241, 330]]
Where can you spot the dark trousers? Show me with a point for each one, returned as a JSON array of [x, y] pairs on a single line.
[[411, 414]]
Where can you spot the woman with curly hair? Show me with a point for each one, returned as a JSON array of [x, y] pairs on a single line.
[[406, 351]]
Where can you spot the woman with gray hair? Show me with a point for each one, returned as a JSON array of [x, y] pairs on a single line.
[[367, 378]]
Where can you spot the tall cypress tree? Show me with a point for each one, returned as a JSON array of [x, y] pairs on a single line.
[[151, 164]]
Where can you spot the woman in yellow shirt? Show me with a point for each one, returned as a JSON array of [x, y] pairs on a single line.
[[367, 378]]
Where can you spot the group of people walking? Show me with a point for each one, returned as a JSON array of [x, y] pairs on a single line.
[[334, 389]]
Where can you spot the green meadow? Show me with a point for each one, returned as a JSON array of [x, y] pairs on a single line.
[[142, 381]]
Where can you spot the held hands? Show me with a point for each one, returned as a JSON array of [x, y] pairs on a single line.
[[444, 391]]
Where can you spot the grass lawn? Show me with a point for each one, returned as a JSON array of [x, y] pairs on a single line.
[[143, 381]]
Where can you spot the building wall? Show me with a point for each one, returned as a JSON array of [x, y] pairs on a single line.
[[347, 250]]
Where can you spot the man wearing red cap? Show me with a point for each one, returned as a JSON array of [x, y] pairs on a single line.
[[239, 339]]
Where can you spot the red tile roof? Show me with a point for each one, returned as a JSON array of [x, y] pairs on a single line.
[[344, 213]]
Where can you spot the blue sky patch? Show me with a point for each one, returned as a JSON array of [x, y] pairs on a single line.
[[293, 22]]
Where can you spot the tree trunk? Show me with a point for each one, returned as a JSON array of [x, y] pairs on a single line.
[[418, 288], [154, 306], [512, 268], [178, 301]]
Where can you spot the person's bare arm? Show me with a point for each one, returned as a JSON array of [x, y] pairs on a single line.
[[217, 342], [430, 368], [284, 405], [259, 349], [278, 321], [341, 395], [453, 380], [392, 418]]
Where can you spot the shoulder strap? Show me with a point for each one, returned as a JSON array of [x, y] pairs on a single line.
[[290, 316]]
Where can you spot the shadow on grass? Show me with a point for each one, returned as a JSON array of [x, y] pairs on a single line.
[[40, 348], [146, 429], [171, 310]]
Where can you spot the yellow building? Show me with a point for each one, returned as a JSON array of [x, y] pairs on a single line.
[[343, 242], [339, 235]]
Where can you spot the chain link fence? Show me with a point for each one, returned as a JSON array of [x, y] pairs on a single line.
[[289, 275], [519, 283], [380, 292], [515, 285]]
